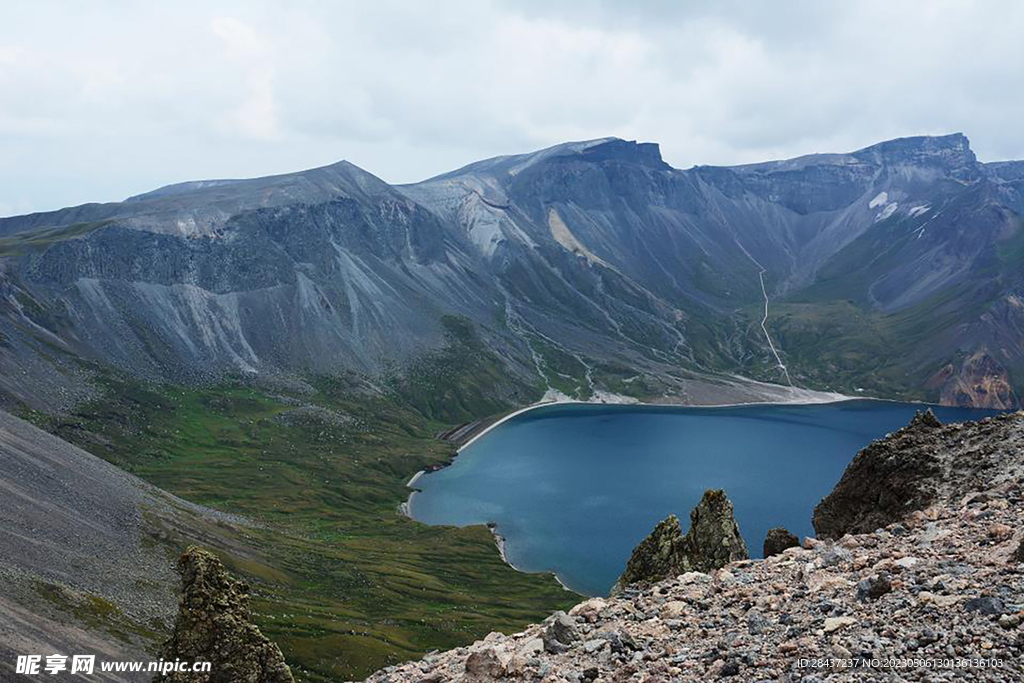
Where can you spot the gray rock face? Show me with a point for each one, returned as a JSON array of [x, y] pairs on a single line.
[[600, 248], [712, 542]]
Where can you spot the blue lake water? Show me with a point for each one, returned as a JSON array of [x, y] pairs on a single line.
[[573, 488]]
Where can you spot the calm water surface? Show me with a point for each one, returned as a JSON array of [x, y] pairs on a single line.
[[573, 488]]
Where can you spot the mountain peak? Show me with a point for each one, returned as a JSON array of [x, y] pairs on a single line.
[[952, 152], [197, 207], [596, 150], [340, 172], [644, 153], [957, 141]]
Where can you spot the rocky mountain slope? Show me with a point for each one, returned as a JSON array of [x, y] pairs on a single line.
[[584, 268], [934, 595], [214, 624], [86, 551]]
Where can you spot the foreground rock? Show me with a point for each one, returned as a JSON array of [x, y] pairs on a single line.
[[213, 625], [936, 596], [777, 540], [713, 541], [80, 537], [942, 591], [924, 463]]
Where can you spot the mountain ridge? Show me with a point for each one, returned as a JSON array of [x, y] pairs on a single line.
[[583, 264]]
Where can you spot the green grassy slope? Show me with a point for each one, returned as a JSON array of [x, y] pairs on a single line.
[[344, 583]]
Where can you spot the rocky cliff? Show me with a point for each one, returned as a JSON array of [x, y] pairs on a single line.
[[932, 595], [585, 267], [924, 463]]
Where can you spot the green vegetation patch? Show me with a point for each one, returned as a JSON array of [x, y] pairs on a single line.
[[461, 381], [38, 239], [344, 583], [562, 370], [95, 612]]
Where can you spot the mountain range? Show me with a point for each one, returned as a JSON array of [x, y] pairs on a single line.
[[587, 269], [287, 349]]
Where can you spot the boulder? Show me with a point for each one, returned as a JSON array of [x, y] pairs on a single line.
[[560, 633], [987, 605], [873, 587], [777, 540], [836, 623], [484, 665]]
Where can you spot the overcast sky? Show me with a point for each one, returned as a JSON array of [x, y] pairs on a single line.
[[103, 99]]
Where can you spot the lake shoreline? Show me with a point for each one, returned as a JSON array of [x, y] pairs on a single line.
[[501, 543], [825, 398], [849, 425], [405, 508]]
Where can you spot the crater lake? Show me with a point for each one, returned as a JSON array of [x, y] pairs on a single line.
[[572, 488]]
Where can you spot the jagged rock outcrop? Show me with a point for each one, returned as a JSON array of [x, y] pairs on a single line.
[[713, 541], [777, 540], [213, 625], [923, 464], [655, 557], [714, 538], [886, 481]]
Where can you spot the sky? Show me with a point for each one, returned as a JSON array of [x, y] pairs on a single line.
[[102, 99]]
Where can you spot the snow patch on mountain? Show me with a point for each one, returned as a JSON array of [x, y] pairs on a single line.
[[889, 210]]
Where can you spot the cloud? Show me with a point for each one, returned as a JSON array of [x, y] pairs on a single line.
[[111, 99], [256, 114]]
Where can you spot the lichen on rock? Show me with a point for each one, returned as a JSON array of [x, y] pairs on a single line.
[[712, 542], [213, 625]]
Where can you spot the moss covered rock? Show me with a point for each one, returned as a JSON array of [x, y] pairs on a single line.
[[213, 625], [713, 541]]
